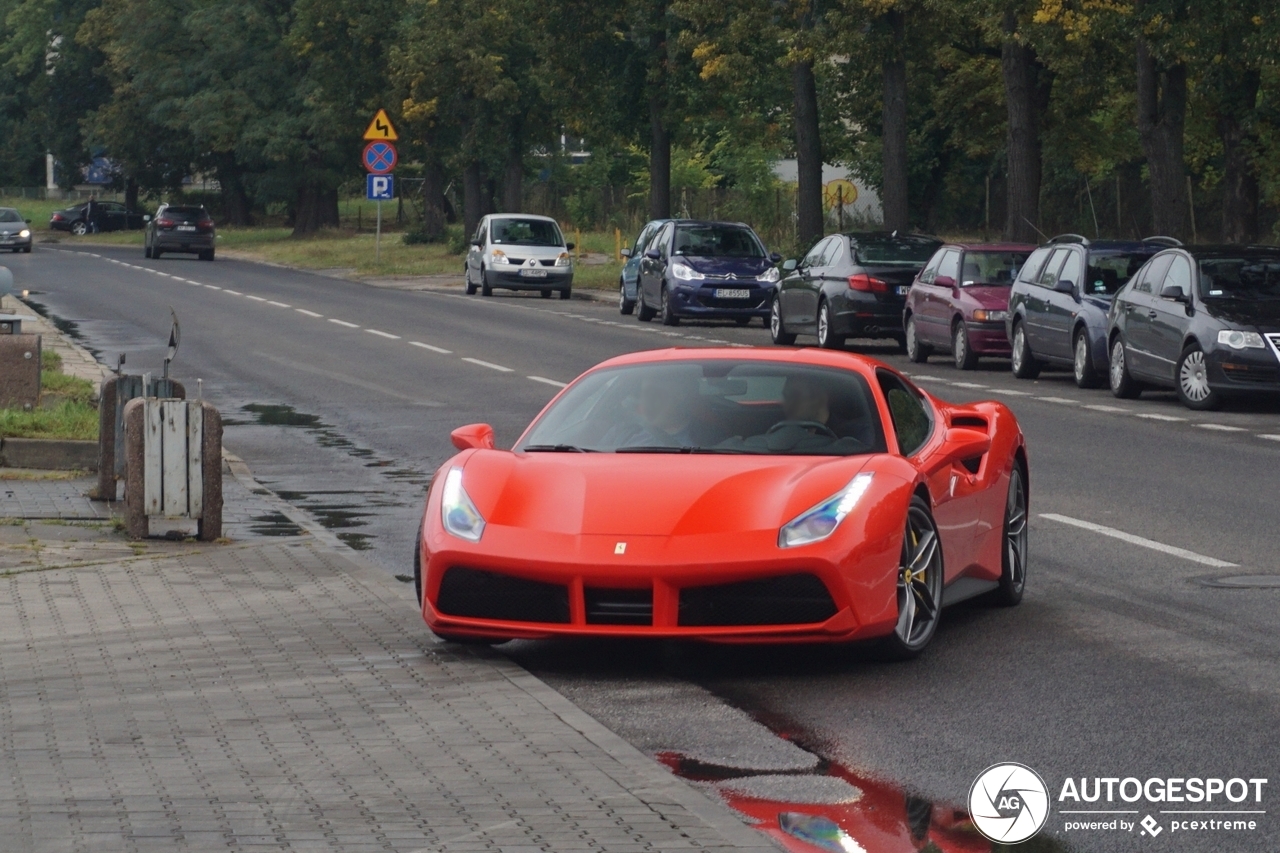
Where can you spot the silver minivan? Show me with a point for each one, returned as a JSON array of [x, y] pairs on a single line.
[[519, 251]]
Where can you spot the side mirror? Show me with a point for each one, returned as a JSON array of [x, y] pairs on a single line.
[[653, 255], [789, 265], [570, 246], [965, 443], [944, 281], [1175, 293], [478, 436], [626, 253], [1064, 286], [774, 258], [146, 218], [477, 243]]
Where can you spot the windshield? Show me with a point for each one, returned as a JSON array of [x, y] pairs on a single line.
[[9, 215], [185, 214], [1252, 277], [901, 251], [991, 268], [713, 406], [526, 232], [717, 241], [1108, 271]]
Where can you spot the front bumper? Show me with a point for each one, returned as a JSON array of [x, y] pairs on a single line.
[[1255, 371], [702, 301], [988, 339], [15, 242], [555, 279]]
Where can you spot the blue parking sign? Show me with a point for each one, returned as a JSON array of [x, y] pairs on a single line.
[[380, 187]]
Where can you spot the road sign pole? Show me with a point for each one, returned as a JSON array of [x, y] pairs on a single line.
[[377, 240]]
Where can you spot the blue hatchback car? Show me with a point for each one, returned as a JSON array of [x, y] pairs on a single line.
[[628, 280], [706, 270]]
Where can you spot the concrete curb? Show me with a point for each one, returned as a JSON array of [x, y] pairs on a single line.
[[51, 454]]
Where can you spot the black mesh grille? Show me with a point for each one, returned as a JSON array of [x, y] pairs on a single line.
[[786, 600], [619, 606], [488, 595]]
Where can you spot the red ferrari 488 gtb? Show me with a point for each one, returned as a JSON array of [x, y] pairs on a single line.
[[732, 495]]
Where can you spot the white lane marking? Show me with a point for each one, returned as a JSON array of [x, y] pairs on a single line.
[[1153, 416], [440, 350], [1066, 401], [308, 313], [1221, 427], [1269, 437], [1098, 407], [213, 287], [488, 364], [232, 292], [1139, 540], [1011, 392], [255, 298], [545, 381], [345, 323], [279, 304], [928, 378], [387, 335], [968, 385]]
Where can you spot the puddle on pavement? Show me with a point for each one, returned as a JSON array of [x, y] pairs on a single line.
[[67, 327], [274, 524]]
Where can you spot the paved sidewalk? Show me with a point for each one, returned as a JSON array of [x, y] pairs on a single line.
[[283, 697], [76, 360]]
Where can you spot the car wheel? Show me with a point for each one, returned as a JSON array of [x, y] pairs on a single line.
[[485, 289], [966, 358], [1193, 381], [625, 305], [545, 294], [79, 228], [901, 341], [565, 293], [827, 339], [643, 312], [1082, 363], [669, 317], [27, 250], [776, 330], [1021, 360], [146, 251], [206, 255], [466, 277], [1123, 385], [916, 351], [1013, 561], [742, 321], [155, 253], [919, 584], [417, 569]]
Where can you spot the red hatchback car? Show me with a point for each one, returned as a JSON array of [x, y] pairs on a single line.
[[960, 299]]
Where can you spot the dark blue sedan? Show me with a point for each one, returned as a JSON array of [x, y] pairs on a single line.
[[706, 270]]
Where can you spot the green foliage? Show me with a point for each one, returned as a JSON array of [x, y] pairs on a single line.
[[71, 419]]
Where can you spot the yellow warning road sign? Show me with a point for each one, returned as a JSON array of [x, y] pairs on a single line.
[[839, 193], [381, 129]]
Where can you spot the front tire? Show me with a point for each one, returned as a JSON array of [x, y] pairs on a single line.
[[965, 357], [919, 584], [917, 352], [146, 251], [79, 228], [206, 255], [565, 292], [1193, 381], [625, 305], [669, 317], [827, 339], [1082, 362], [1013, 562], [485, 289], [777, 331], [643, 312], [156, 253], [466, 277], [1123, 385], [1022, 362]]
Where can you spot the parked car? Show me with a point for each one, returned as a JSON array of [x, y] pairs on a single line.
[[629, 279], [519, 251], [110, 216], [180, 228], [1203, 320], [15, 232], [849, 285], [712, 270], [1058, 305], [960, 301]]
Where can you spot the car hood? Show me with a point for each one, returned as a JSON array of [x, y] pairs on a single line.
[[13, 227], [990, 297], [650, 494], [1263, 315], [514, 250], [741, 267]]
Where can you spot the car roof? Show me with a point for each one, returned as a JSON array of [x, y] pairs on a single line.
[[709, 222], [812, 356], [1150, 245], [890, 235], [520, 216], [993, 247], [1228, 250]]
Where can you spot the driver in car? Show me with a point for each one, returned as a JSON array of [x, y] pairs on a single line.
[[665, 407], [806, 425]]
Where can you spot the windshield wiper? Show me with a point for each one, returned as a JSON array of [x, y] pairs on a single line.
[[556, 448], [654, 448]]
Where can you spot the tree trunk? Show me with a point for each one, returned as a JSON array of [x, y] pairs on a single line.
[[1162, 110], [513, 181], [1025, 96], [490, 189], [131, 193], [659, 161], [894, 197], [236, 206], [433, 212], [804, 89], [1239, 178], [317, 208], [471, 192]]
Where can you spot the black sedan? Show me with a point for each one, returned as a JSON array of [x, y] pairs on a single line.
[[108, 216], [849, 286], [1203, 320]]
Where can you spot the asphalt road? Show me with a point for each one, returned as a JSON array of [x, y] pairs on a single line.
[[1124, 659]]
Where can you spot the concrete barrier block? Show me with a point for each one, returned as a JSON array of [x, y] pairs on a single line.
[[135, 512], [53, 454]]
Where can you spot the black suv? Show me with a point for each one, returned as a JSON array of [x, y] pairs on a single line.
[[180, 228], [1059, 302]]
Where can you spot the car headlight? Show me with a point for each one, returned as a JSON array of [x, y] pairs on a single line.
[[564, 260], [1240, 340], [457, 512], [685, 272], [984, 316], [819, 522], [24, 233], [499, 257], [770, 275]]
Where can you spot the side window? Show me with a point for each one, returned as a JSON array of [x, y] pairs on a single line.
[[911, 415], [816, 254], [1049, 275], [931, 269], [1155, 273], [663, 240], [642, 242], [1031, 269], [477, 237], [834, 252], [950, 265], [1179, 276], [1071, 270]]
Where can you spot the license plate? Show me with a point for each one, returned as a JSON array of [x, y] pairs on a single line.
[[533, 273], [902, 289], [186, 228], [732, 293]]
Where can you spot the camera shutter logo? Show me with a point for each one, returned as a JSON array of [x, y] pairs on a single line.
[[1008, 803]]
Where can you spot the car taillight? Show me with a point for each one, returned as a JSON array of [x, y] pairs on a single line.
[[57, 217], [165, 223], [205, 225], [867, 284]]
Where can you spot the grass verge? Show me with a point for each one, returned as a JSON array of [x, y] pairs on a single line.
[[73, 416]]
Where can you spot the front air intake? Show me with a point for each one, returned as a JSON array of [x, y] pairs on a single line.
[[482, 594], [785, 600]]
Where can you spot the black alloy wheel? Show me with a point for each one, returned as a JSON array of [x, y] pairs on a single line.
[[1013, 562]]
